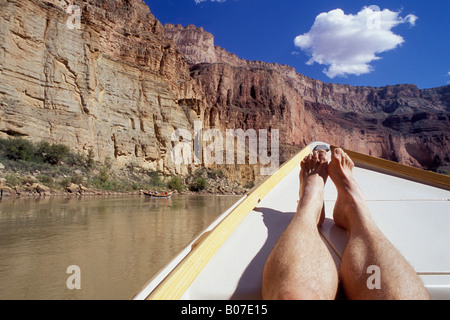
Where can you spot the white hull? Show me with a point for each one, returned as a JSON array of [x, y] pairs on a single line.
[[227, 259]]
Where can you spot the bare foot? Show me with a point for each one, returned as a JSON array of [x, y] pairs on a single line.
[[367, 246], [313, 175], [350, 203]]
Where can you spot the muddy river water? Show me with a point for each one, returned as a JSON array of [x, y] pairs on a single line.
[[95, 248]]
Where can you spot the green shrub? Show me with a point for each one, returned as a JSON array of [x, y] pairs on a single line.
[[176, 184], [201, 172], [199, 184], [80, 160], [155, 179], [215, 174], [76, 159], [52, 153], [90, 162], [249, 185], [46, 180], [18, 149], [77, 179], [103, 175], [65, 182], [137, 186], [109, 184], [12, 180]]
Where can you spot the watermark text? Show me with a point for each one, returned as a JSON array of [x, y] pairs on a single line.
[[74, 21], [73, 282], [209, 147]]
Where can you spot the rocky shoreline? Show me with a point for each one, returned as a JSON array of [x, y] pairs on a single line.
[[28, 169], [38, 190], [30, 186]]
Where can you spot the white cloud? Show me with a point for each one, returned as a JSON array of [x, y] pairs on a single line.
[[348, 43], [200, 1], [411, 19]]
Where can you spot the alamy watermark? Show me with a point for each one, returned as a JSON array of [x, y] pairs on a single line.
[[374, 280], [74, 21], [191, 149], [73, 282], [374, 20]]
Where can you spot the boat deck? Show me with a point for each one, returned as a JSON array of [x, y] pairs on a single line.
[[414, 216]]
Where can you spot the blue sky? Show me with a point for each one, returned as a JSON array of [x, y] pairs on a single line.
[[350, 42]]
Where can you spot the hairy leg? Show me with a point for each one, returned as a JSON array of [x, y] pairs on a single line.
[[300, 265], [368, 251]]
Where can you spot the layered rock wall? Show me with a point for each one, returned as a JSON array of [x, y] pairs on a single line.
[[113, 86], [400, 123], [122, 84]]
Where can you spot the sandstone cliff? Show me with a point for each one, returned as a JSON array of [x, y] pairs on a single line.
[[113, 86], [400, 123], [122, 84]]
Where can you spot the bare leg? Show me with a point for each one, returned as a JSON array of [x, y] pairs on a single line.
[[367, 246], [300, 265]]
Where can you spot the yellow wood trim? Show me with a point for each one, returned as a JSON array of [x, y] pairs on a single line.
[[399, 170], [179, 280], [433, 273], [200, 239]]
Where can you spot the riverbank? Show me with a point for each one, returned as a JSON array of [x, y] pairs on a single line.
[[37, 184], [43, 169]]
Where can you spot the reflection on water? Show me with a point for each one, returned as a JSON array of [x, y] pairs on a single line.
[[119, 243]]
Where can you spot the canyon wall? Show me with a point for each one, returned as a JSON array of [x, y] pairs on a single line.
[[113, 86], [122, 84], [399, 123]]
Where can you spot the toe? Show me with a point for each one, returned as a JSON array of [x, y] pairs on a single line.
[[338, 152], [303, 164], [315, 157], [323, 156]]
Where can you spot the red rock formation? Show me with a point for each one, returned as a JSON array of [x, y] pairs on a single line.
[[400, 123], [122, 84]]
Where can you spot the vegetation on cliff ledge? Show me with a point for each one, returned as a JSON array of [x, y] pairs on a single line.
[[27, 168]]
